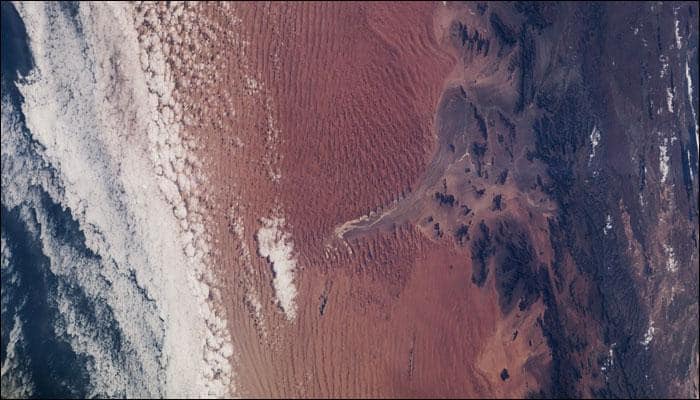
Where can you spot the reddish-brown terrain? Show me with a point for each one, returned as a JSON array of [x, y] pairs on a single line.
[[344, 110], [350, 200], [406, 148]]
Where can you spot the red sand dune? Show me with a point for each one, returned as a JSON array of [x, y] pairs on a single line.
[[343, 106]]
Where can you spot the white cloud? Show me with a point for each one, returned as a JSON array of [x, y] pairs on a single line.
[[649, 335], [677, 29], [669, 100], [671, 262], [608, 224], [100, 107], [595, 141], [664, 158], [689, 83], [276, 244]]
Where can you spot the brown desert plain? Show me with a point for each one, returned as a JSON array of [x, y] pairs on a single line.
[[381, 138]]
